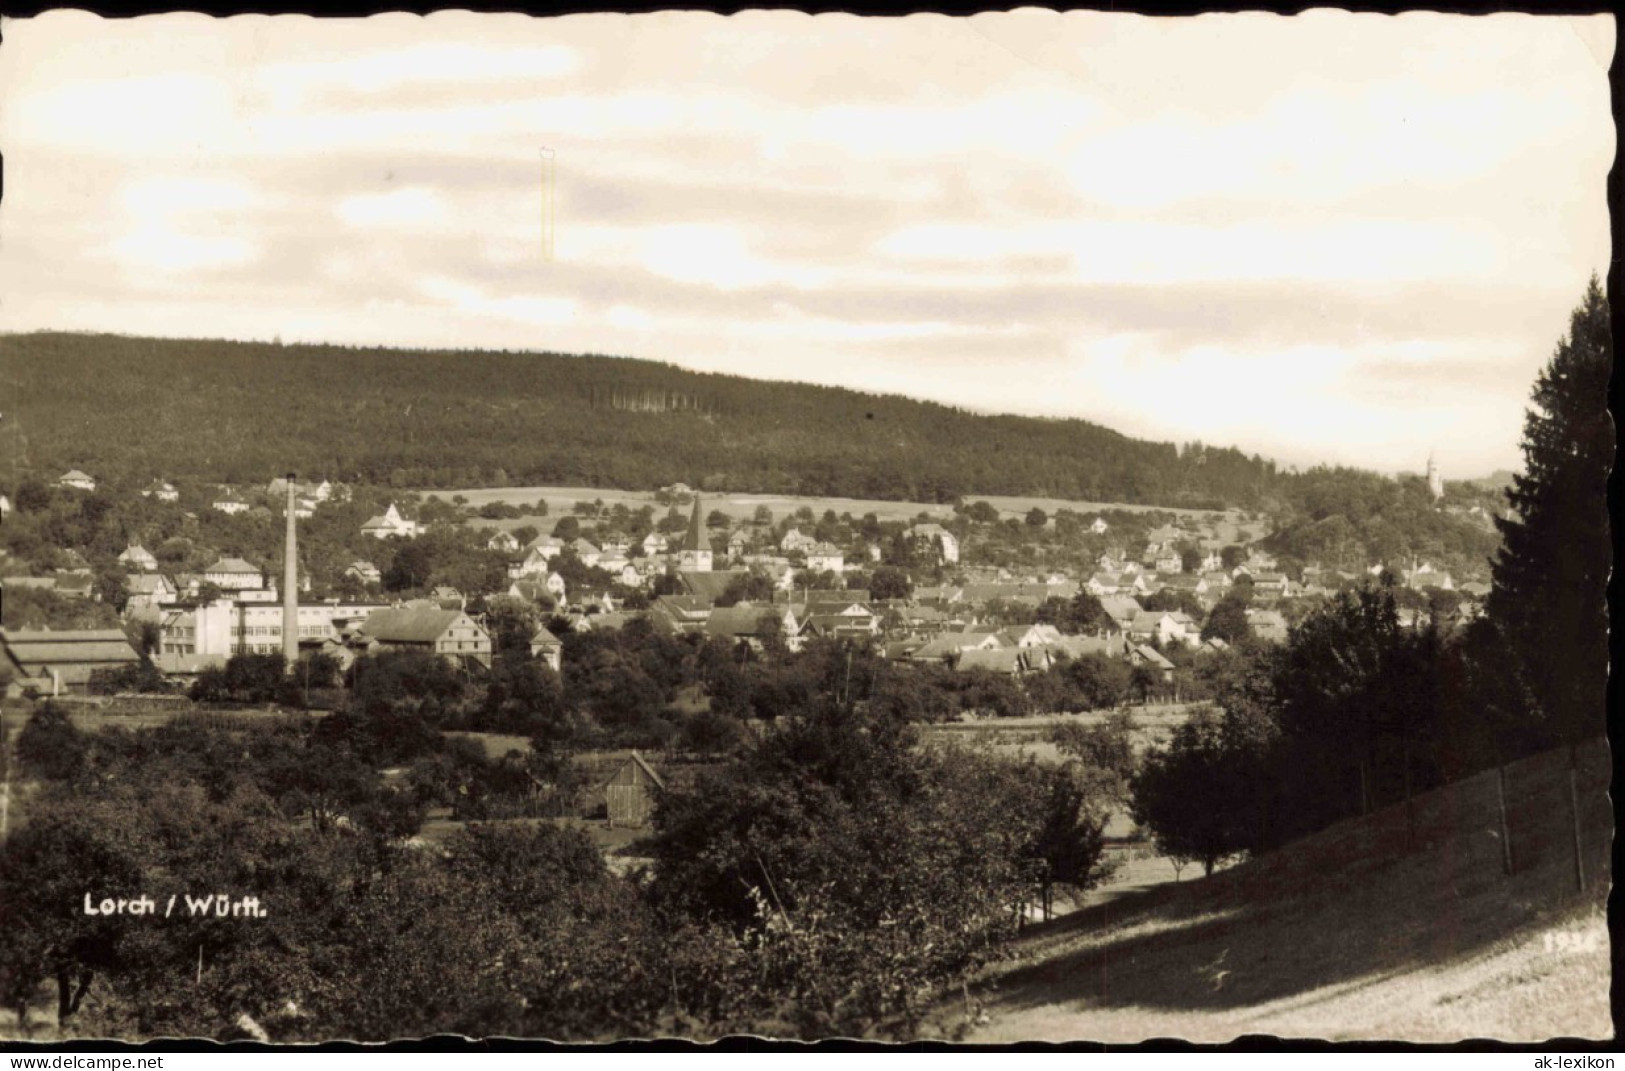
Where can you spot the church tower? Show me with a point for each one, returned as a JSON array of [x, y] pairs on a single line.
[[1435, 481], [696, 553]]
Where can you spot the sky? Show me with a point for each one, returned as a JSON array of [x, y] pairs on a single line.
[[1329, 238]]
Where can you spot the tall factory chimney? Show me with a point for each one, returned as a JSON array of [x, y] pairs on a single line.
[[290, 587]]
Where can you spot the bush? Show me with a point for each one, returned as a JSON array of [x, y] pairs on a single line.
[[51, 746]]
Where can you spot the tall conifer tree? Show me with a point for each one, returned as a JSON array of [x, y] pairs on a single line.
[[1547, 612]]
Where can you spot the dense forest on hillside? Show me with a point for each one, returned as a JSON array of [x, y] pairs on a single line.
[[135, 408], [128, 410]]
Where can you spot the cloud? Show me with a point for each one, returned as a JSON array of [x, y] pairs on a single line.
[[1177, 228], [411, 207]]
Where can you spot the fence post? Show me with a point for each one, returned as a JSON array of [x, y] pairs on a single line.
[[1506, 833], [1574, 812]]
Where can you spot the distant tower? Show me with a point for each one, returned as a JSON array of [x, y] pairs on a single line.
[[290, 588], [696, 553], [1435, 481]]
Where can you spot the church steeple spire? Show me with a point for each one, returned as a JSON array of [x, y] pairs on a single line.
[[696, 551]]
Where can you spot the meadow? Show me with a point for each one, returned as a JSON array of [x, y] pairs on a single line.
[[742, 506], [1401, 924]]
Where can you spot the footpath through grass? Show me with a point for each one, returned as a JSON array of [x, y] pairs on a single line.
[[1363, 931]]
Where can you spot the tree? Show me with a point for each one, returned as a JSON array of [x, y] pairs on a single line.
[[511, 622], [1080, 614], [1548, 596], [50, 745], [1228, 621], [1104, 755], [890, 582], [33, 496], [411, 568], [982, 512], [567, 528], [1232, 555], [1190, 560], [1067, 845], [112, 588], [1037, 518], [1174, 599], [208, 593], [149, 637], [1102, 683], [748, 587], [1186, 793]]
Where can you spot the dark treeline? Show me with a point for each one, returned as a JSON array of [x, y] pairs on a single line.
[[826, 875], [241, 412], [1357, 711]]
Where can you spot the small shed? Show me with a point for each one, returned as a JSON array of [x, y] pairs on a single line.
[[630, 792]]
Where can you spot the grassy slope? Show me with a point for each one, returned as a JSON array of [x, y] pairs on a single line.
[[1353, 933]]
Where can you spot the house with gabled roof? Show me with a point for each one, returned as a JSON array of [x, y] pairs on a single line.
[[162, 490], [1112, 645], [234, 574], [944, 541], [1101, 585], [1191, 582], [631, 792], [947, 646], [938, 595], [1122, 609], [586, 551], [54, 661], [530, 590], [1164, 626], [76, 586], [794, 542], [230, 502], [1143, 654], [751, 623], [546, 647], [451, 634], [364, 571], [1006, 661], [135, 556], [826, 558], [1029, 635], [76, 480], [390, 523], [448, 598], [680, 613], [148, 591], [534, 562], [1268, 625], [856, 623], [708, 586]]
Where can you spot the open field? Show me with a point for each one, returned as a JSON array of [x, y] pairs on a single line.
[[1357, 932], [740, 506], [1030, 735], [94, 719], [609, 839]]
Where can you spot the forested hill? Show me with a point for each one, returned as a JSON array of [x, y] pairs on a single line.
[[136, 408]]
